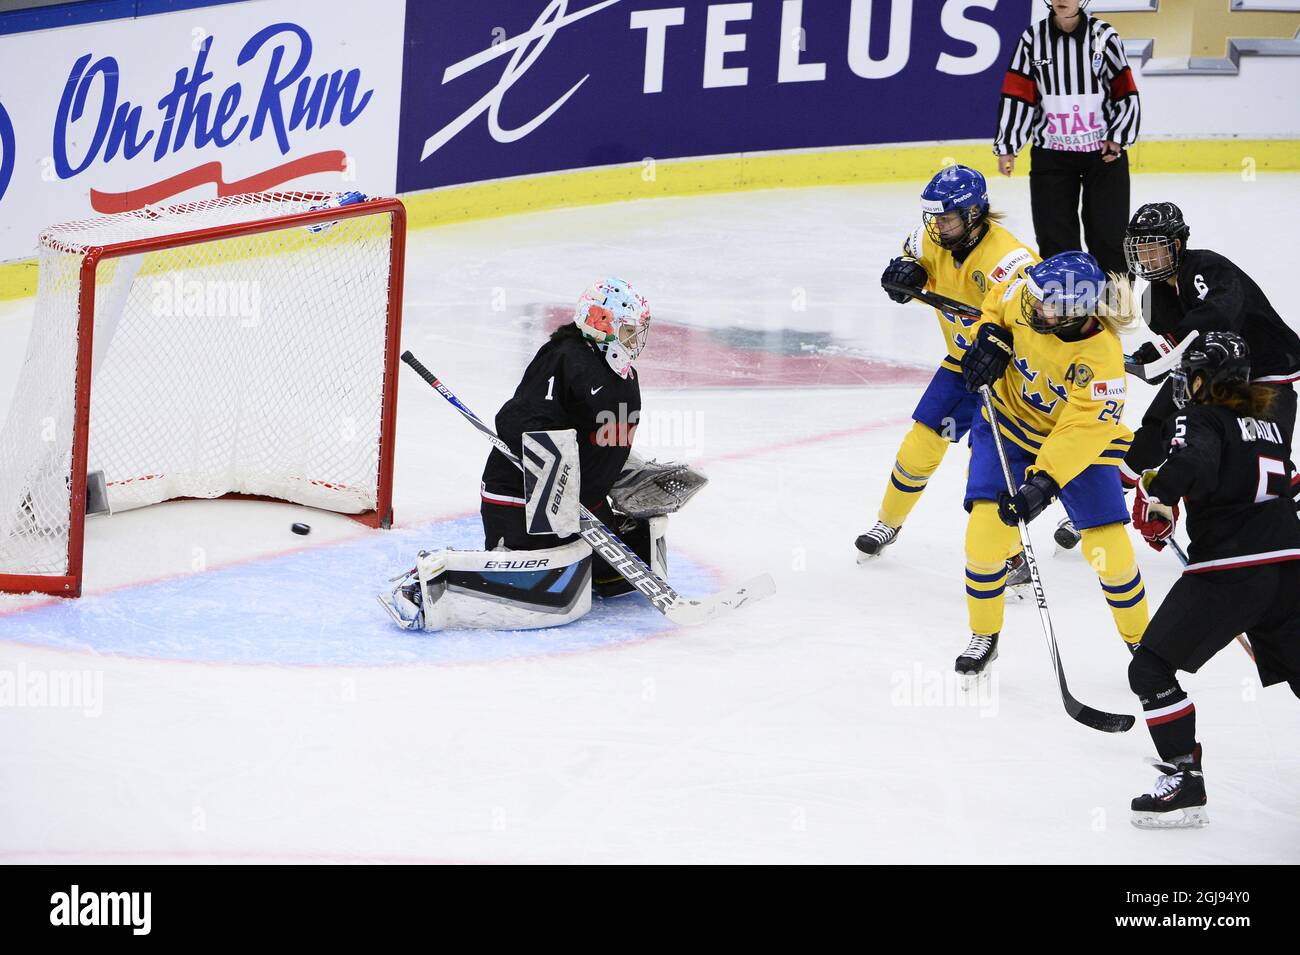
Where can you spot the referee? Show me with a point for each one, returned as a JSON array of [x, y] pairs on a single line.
[[1069, 89]]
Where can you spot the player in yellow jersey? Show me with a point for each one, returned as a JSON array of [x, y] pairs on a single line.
[[1048, 346], [959, 252]]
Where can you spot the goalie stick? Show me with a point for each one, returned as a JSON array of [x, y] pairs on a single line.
[[1170, 356], [603, 541], [1096, 719]]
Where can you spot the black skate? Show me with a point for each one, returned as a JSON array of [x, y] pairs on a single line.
[[874, 541], [1066, 537], [1018, 580], [977, 659], [1178, 800]]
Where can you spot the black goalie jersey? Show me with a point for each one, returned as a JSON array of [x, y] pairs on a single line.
[[1234, 472], [1214, 295], [568, 385]]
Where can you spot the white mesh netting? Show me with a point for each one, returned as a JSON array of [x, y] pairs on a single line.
[[250, 365]]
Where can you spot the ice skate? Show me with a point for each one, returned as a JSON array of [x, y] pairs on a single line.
[[1178, 799], [873, 542]]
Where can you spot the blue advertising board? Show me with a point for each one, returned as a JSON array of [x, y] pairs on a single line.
[[492, 90]]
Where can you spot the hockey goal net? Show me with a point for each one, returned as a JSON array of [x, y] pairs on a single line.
[[241, 346]]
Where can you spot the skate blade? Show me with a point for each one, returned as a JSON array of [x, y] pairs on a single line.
[[1194, 817], [1020, 591], [969, 682], [413, 624], [865, 558], [972, 682]]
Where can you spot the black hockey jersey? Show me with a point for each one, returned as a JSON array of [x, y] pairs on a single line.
[[1214, 295], [1234, 472], [568, 385]]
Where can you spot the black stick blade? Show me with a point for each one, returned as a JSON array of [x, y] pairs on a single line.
[[1098, 719]]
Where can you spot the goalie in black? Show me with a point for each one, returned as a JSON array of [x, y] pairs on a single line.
[[571, 421]]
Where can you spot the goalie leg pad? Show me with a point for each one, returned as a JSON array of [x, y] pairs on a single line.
[[494, 590], [649, 541]]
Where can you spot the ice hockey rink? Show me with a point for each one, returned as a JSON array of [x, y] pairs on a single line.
[[252, 702]]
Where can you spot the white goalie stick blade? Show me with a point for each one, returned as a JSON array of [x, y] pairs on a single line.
[[1170, 356], [689, 612]]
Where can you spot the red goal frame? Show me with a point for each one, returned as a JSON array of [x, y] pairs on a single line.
[[69, 584]]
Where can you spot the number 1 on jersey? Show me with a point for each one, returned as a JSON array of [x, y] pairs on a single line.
[[550, 388]]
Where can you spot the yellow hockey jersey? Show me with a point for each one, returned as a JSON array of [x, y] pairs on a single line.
[[1062, 401], [997, 258]]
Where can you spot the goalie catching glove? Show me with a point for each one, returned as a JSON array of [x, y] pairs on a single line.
[[648, 489]]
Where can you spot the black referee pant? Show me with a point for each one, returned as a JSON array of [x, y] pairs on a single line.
[[1056, 178]]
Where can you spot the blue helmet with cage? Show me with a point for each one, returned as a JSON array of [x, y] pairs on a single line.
[[1062, 293], [958, 189]]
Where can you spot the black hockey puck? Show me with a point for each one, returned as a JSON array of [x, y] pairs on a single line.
[[300, 528]]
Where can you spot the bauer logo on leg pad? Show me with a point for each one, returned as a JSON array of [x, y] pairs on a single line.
[[552, 481]]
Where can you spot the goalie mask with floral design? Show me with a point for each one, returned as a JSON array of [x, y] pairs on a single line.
[[616, 318]]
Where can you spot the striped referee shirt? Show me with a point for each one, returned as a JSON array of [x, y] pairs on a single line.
[[1068, 91]]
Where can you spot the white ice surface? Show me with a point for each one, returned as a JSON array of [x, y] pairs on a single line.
[[255, 707]]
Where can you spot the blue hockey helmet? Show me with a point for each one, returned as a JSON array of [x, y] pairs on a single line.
[[1062, 293], [958, 189]]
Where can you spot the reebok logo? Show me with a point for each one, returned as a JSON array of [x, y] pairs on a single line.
[[102, 908]]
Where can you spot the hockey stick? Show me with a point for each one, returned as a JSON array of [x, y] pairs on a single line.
[[1170, 356], [607, 545], [1181, 554], [931, 298], [1096, 719]]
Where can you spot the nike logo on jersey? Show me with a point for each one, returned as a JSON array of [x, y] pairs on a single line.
[[594, 390]]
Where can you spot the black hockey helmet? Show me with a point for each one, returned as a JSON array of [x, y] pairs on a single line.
[[1153, 228], [1215, 358]]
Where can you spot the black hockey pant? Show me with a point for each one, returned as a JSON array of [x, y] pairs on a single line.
[[1203, 613]]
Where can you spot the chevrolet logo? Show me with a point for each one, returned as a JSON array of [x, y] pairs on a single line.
[[1203, 36]]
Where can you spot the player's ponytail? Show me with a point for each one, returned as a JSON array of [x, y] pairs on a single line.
[[1245, 398], [1118, 309]]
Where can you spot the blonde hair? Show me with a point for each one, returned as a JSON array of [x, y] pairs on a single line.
[[1118, 308]]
